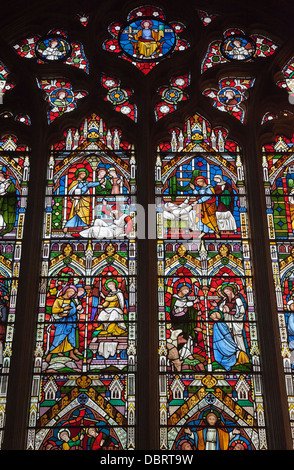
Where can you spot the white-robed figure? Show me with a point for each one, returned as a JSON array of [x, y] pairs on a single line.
[[111, 319], [239, 52], [120, 225], [225, 205], [186, 211]]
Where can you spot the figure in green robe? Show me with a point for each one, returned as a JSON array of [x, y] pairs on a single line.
[[105, 185], [8, 204]]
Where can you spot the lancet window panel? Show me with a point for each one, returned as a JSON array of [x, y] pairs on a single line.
[[278, 175], [14, 180], [209, 355], [83, 385]]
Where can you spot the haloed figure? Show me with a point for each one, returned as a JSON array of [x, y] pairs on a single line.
[[64, 316], [206, 197], [79, 191], [211, 434]]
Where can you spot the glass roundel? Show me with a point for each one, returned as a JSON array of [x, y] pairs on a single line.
[[61, 97], [238, 47], [147, 39], [52, 48], [229, 96], [172, 95]]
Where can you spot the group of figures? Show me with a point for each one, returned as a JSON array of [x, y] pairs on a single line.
[[87, 327], [208, 210], [112, 219], [91, 435], [206, 333]]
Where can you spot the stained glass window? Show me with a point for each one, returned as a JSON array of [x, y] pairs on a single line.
[[182, 337], [119, 97], [14, 178], [83, 392], [209, 361], [172, 95]]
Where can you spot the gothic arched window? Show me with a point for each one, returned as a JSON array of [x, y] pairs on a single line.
[[146, 224]]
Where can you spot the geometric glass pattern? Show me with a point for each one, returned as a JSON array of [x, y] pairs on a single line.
[[209, 356], [83, 385], [171, 95], [119, 97]]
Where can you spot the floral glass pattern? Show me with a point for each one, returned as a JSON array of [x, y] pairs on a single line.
[[60, 96], [171, 96], [119, 97]]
